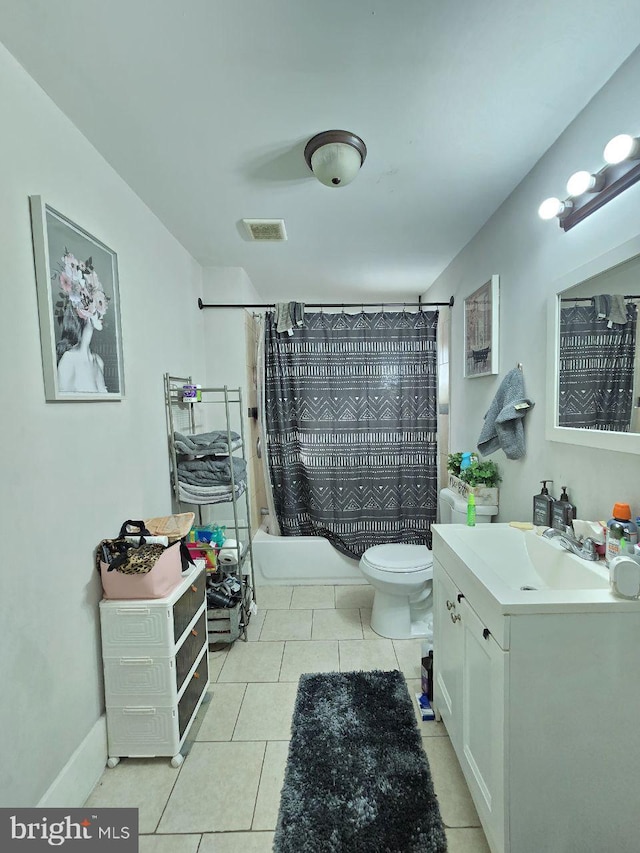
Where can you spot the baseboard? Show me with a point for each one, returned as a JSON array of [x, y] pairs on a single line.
[[79, 776]]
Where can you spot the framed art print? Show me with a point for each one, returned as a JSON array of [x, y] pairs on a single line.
[[481, 313], [78, 309]]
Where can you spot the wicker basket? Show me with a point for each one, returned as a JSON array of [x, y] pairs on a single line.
[[484, 495]]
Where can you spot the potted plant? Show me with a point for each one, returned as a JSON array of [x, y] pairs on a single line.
[[481, 478]]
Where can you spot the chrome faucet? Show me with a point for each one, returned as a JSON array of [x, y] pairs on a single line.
[[584, 548]]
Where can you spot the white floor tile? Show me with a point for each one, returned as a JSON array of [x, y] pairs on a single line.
[[274, 597], [237, 842], [271, 781], [465, 841], [216, 789], [287, 625], [222, 712], [216, 661], [255, 625], [336, 625], [266, 712], [308, 656], [313, 598], [367, 631], [168, 843], [456, 805], [409, 654], [248, 662], [354, 596], [142, 783], [367, 655]]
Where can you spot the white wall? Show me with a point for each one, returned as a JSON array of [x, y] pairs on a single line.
[[72, 472], [530, 255]]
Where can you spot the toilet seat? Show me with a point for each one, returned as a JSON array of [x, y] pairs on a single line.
[[397, 558]]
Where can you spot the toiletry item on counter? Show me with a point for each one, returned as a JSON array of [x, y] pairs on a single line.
[[624, 576], [542, 506], [622, 515], [471, 510], [563, 511], [616, 544]]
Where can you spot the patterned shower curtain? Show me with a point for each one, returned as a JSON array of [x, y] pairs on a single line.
[[596, 369], [351, 421]]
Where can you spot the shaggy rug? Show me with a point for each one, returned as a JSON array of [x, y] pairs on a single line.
[[357, 779]]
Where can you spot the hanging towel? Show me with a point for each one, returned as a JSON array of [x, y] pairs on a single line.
[[611, 307], [503, 423], [296, 311], [284, 323]]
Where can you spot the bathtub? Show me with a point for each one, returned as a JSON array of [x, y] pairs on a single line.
[[300, 560]]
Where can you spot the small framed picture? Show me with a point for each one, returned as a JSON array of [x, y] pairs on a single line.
[[78, 309], [481, 316]]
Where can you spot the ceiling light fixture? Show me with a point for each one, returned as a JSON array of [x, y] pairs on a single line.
[[335, 157], [589, 191]]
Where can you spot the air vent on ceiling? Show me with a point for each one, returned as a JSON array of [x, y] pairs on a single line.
[[265, 229]]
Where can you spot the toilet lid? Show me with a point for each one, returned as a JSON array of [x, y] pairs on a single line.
[[399, 558]]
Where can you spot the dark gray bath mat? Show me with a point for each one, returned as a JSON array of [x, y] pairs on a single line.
[[357, 779]]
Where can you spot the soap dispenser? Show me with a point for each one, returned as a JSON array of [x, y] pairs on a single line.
[[563, 511], [542, 505]]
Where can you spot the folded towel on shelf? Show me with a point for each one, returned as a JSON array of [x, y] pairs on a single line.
[[503, 427], [209, 471], [209, 495], [206, 443]]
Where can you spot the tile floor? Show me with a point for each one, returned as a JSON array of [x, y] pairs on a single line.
[[225, 797]]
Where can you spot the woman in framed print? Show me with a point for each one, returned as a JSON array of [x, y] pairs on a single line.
[[78, 306]]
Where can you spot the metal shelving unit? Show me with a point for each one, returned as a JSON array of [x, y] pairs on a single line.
[[224, 624]]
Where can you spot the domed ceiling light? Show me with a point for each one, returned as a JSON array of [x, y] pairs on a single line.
[[335, 157]]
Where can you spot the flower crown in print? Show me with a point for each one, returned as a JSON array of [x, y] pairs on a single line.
[[80, 284]]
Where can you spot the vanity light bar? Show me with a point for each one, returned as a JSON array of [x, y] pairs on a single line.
[[588, 191]]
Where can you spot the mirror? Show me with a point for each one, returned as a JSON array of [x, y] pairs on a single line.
[[594, 354]]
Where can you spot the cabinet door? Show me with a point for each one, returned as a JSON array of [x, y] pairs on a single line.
[[483, 736], [447, 652]]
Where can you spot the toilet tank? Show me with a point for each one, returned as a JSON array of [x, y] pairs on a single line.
[[453, 509]]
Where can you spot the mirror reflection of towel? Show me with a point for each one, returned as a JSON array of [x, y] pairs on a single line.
[[503, 423], [611, 307]]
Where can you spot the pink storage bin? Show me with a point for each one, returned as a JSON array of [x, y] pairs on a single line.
[[158, 583]]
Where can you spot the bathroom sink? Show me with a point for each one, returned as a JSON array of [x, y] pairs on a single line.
[[517, 566]]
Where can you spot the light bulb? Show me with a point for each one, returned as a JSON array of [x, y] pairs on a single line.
[[551, 207], [581, 182], [621, 147]]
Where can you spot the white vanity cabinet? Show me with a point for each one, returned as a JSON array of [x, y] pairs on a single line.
[[539, 691], [469, 685]]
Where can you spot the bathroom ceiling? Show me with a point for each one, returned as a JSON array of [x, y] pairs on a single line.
[[204, 108]]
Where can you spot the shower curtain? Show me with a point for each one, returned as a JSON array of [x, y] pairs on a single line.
[[596, 369], [351, 423]]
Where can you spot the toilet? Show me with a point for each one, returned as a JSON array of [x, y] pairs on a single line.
[[401, 576]]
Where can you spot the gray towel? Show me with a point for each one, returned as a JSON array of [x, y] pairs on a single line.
[[208, 471], [296, 310], [503, 423], [206, 443], [284, 323], [618, 310]]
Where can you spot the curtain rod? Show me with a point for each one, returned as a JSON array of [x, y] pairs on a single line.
[[419, 304], [590, 298]]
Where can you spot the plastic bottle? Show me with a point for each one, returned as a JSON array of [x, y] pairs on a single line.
[[622, 514], [563, 512], [471, 510], [616, 544], [466, 461], [542, 505]]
